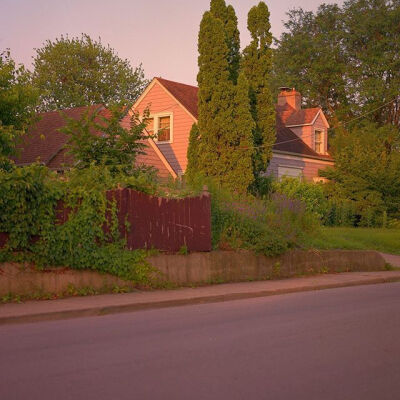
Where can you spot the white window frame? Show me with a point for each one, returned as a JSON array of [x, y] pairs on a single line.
[[156, 121], [322, 140]]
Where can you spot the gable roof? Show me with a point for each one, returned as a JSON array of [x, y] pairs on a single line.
[[44, 142], [286, 139], [305, 116], [185, 94]]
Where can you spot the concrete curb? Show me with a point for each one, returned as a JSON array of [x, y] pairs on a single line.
[[213, 298]]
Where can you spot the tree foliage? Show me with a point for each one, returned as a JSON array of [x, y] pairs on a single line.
[[345, 59], [227, 15], [72, 72], [193, 153], [17, 101], [29, 197], [102, 137], [225, 123], [367, 170], [257, 65]]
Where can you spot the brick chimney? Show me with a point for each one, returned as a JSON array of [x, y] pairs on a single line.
[[289, 96]]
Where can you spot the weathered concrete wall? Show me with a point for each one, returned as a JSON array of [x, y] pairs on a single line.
[[244, 265], [24, 280], [216, 266]]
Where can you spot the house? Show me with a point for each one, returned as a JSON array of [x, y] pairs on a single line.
[[300, 148], [44, 143]]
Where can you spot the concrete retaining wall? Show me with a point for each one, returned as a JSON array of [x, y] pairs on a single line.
[[216, 266], [228, 266], [24, 280]]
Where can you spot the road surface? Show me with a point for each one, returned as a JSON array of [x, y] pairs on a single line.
[[330, 344]]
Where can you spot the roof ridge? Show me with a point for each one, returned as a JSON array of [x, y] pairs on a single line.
[[179, 83], [71, 109]]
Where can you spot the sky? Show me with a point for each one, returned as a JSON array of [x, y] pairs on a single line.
[[159, 34]]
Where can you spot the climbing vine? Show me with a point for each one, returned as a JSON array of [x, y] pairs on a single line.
[[29, 198]]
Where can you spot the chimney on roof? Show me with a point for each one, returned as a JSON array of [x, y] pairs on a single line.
[[289, 96]]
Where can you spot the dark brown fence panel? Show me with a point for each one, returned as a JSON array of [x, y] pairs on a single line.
[[155, 222], [161, 223]]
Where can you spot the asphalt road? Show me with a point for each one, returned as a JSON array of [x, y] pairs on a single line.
[[330, 344]]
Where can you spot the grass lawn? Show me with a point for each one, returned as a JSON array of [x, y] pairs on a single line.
[[384, 240]]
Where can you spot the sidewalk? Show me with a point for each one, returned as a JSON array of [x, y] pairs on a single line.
[[74, 307], [392, 259]]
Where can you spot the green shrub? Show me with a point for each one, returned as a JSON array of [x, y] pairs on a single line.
[[267, 226], [311, 194], [28, 199]]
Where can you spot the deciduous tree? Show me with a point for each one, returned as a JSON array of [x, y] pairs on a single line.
[[100, 138], [72, 72], [17, 101]]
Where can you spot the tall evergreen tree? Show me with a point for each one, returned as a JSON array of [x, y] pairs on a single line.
[[239, 175], [193, 153], [257, 66], [227, 15], [223, 148], [215, 94]]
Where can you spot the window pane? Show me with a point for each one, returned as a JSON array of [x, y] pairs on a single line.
[[164, 129], [318, 141], [291, 172]]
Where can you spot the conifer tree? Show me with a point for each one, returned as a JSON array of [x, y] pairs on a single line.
[[193, 153], [223, 148], [215, 94], [257, 65], [239, 175], [227, 15]]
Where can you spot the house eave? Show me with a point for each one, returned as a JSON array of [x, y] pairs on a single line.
[[303, 156]]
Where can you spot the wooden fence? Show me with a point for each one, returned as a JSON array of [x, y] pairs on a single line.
[[156, 222]]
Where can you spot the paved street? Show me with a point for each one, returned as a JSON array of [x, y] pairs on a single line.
[[329, 344]]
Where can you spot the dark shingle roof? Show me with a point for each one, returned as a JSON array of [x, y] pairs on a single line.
[[185, 94], [45, 143], [302, 117], [286, 139]]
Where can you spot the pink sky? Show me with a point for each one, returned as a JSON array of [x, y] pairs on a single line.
[[160, 34]]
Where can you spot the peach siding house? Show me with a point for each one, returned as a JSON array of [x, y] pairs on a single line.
[[300, 150], [301, 147]]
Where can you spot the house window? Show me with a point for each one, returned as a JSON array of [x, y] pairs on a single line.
[[160, 125], [290, 172], [318, 141], [164, 129]]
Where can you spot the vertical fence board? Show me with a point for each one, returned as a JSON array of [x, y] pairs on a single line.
[[165, 224]]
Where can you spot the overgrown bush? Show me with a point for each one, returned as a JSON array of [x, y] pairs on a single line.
[[311, 194], [28, 201], [268, 226], [331, 207]]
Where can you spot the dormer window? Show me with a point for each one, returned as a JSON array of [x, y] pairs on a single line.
[[319, 141], [161, 125]]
